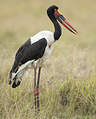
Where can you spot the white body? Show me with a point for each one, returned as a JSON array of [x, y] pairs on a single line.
[[49, 36]]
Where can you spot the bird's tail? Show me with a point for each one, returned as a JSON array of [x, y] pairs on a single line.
[[11, 77], [16, 77]]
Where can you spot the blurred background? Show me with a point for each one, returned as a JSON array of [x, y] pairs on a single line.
[[73, 56]]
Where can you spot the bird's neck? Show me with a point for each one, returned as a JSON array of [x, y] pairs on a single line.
[[57, 32]]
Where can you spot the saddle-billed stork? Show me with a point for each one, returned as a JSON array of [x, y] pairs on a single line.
[[36, 50]]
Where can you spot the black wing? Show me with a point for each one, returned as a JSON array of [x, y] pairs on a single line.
[[28, 52]]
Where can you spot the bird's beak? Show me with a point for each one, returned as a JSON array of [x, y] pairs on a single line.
[[64, 22]]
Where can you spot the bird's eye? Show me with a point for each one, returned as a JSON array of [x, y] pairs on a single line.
[[55, 10]]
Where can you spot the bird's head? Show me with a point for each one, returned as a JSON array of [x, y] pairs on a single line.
[[54, 13]]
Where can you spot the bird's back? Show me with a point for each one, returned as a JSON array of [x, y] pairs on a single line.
[[49, 36]]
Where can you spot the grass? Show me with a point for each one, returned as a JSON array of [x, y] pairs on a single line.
[[68, 84]]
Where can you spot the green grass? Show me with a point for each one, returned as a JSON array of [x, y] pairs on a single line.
[[68, 81], [79, 96]]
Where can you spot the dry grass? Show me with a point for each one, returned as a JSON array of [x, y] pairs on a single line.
[[70, 73]]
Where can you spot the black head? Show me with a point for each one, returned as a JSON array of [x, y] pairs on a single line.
[[51, 9], [54, 14]]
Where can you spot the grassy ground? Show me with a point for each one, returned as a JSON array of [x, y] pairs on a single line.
[[68, 84]]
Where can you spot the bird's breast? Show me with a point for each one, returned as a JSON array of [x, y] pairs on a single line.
[[40, 62], [48, 51]]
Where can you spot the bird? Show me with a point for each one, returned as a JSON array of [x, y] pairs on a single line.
[[36, 50]]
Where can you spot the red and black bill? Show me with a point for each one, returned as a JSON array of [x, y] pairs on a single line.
[[64, 22]]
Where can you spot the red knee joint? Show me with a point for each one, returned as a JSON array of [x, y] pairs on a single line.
[[36, 91]]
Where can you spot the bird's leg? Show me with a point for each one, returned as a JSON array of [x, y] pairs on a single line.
[[35, 87], [38, 88]]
